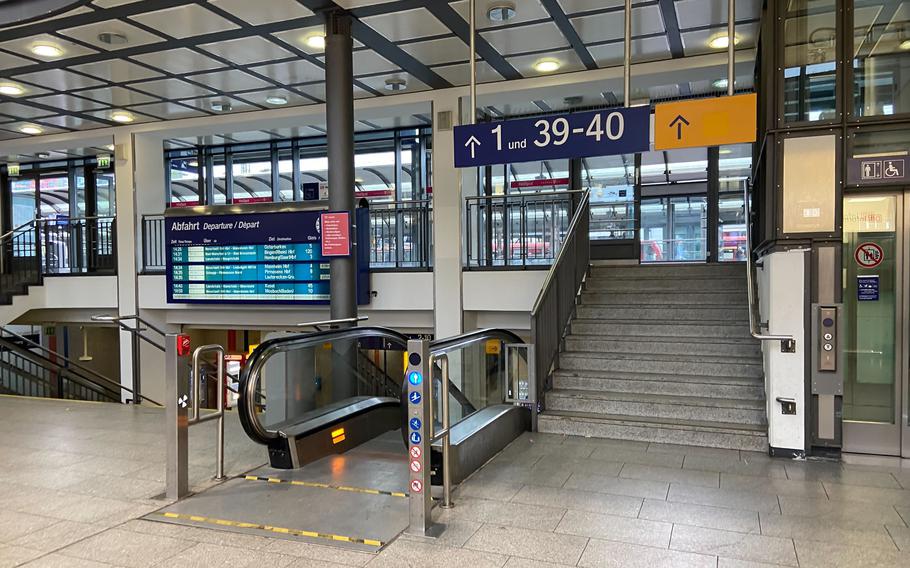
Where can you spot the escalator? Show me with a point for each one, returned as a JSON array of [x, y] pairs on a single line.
[[338, 461]]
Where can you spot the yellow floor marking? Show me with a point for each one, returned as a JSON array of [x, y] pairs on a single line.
[[324, 486]]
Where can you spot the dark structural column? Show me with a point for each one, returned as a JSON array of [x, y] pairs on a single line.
[[339, 87]]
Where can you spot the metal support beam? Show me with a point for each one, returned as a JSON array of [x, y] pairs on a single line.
[[627, 55], [731, 46], [176, 400], [339, 80]]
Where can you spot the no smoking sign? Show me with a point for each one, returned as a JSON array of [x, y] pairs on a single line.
[[868, 255]]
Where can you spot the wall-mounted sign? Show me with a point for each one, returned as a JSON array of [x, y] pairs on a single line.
[[549, 182], [877, 170], [705, 122], [336, 233], [12, 169], [254, 258], [575, 135], [104, 161], [867, 288], [868, 255]]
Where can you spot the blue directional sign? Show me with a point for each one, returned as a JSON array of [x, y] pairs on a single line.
[[415, 437], [575, 135], [415, 423], [415, 397]]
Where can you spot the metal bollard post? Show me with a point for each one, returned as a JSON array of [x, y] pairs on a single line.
[[177, 348], [420, 426], [446, 437]]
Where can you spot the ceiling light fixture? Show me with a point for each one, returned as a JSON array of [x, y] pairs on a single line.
[[395, 84], [46, 50], [547, 66], [43, 155], [315, 41], [501, 12], [110, 147], [721, 41], [30, 129], [112, 38], [11, 90], [276, 100], [719, 84], [905, 45], [219, 106], [725, 151], [122, 117]]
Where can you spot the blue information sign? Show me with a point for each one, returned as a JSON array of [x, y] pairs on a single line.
[[415, 437], [415, 423], [415, 397], [255, 258], [575, 135], [867, 288]]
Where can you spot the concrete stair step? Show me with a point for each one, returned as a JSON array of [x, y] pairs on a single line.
[[626, 284], [663, 312], [693, 270], [654, 383], [642, 429], [688, 329], [724, 410], [678, 346], [655, 363], [735, 298]]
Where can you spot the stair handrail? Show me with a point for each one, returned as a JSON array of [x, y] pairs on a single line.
[[787, 342], [96, 376], [15, 230]]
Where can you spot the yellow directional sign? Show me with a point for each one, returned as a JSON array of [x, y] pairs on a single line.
[[705, 122]]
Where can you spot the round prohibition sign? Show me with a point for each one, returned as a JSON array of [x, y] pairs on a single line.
[[415, 466], [415, 452], [868, 255], [416, 485]]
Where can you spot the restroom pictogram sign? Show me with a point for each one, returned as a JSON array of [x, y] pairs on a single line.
[[868, 255]]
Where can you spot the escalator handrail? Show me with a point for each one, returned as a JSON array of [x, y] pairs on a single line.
[[449, 344], [249, 377]]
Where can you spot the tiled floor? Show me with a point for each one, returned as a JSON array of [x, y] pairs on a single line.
[[74, 478]]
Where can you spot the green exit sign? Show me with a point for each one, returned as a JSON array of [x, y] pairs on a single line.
[[104, 161], [13, 170]]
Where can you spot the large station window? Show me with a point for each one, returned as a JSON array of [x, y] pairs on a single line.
[[611, 182], [734, 170], [183, 179], [810, 60], [881, 66], [252, 176]]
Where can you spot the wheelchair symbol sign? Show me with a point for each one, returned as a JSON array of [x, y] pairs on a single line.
[[892, 169]]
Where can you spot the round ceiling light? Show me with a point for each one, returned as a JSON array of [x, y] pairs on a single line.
[[315, 41], [547, 66], [219, 106], [110, 147], [30, 129], [501, 12], [395, 84], [276, 100], [46, 50], [721, 41], [112, 38], [905, 45], [11, 90], [43, 155], [122, 117]]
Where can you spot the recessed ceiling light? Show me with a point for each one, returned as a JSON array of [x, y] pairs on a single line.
[[43, 155], [47, 50], [501, 12], [395, 84], [315, 41], [11, 90], [720, 84], [110, 147], [721, 41], [276, 100], [219, 106], [112, 38], [30, 129], [122, 116], [905, 45], [547, 65]]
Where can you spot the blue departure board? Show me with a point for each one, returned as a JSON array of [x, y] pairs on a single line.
[[253, 258]]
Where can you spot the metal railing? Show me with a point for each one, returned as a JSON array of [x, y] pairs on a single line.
[[674, 250], [555, 304], [401, 237], [218, 414], [517, 230], [401, 234], [787, 342], [62, 377]]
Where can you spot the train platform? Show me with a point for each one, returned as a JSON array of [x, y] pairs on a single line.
[[76, 478]]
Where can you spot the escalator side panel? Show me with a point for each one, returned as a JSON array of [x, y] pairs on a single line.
[[297, 451]]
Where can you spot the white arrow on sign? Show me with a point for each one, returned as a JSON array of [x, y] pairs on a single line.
[[473, 143]]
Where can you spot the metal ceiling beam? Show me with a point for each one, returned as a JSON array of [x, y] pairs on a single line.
[[452, 20], [569, 31], [671, 23]]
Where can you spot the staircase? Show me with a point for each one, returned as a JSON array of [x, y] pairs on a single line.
[[661, 353]]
